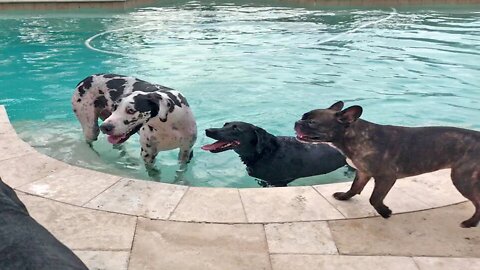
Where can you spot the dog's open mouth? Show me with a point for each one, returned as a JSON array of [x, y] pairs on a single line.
[[117, 139], [220, 146], [308, 139]]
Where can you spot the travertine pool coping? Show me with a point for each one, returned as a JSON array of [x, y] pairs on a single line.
[[49, 178], [116, 223]]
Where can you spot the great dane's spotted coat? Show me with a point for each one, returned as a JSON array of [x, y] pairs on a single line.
[[161, 115]]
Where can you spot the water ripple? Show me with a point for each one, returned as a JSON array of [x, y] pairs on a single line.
[[253, 62]]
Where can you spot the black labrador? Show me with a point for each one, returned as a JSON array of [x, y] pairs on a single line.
[[275, 160], [25, 244]]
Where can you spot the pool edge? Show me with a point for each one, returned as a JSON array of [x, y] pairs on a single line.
[[19, 5], [55, 180]]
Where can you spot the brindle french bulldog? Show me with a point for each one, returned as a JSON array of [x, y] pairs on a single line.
[[387, 153]]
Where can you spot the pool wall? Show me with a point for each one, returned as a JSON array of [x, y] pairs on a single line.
[[70, 4], [125, 4]]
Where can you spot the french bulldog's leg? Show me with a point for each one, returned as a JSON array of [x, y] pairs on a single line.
[[358, 184], [467, 180], [383, 184]]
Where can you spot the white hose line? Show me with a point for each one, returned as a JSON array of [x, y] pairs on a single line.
[[90, 39], [393, 13]]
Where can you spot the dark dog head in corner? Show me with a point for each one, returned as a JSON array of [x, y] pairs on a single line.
[[9, 200], [326, 125], [245, 139]]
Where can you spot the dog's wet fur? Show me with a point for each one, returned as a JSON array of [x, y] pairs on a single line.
[[275, 160], [388, 153], [127, 105], [25, 244]]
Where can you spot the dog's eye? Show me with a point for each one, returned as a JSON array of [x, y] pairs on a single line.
[[311, 123], [130, 111], [235, 127]]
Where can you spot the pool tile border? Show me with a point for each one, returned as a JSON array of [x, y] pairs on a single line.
[[139, 198], [192, 228], [82, 228], [201, 204], [55, 180]]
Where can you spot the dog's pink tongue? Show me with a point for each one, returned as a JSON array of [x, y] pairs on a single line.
[[114, 139], [213, 146], [300, 134]]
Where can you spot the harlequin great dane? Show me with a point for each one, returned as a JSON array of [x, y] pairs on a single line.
[[161, 115]]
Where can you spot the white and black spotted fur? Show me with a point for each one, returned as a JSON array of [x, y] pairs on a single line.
[[161, 115]]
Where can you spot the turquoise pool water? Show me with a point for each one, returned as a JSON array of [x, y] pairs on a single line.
[[261, 63]]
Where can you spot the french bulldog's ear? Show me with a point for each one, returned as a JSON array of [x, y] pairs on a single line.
[[337, 106], [349, 115]]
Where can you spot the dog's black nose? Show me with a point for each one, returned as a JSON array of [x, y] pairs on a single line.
[[209, 131], [107, 128]]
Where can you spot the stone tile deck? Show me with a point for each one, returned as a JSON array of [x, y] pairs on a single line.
[[116, 223]]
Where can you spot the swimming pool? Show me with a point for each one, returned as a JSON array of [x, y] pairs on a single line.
[[260, 63]]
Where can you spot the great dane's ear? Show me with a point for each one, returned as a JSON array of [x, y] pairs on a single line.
[[155, 100], [166, 106], [337, 106], [349, 115]]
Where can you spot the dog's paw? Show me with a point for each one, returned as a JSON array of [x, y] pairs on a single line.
[[341, 196], [469, 223], [262, 183], [153, 172], [384, 211]]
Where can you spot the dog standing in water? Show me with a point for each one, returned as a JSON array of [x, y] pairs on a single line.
[[276, 160], [387, 153], [161, 115]]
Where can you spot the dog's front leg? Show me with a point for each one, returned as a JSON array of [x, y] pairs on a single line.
[[180, 176], [121, 149], [185, 155], [361, 179], [383, 184], [148, 153]]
